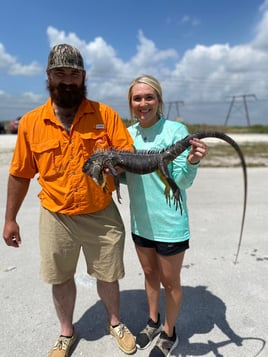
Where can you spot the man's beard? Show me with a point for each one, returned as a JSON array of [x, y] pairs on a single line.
[[67, 95]]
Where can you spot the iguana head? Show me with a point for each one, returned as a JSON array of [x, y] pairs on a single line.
[[94, 168]]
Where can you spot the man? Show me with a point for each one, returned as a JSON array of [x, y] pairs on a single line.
[[54, 140]]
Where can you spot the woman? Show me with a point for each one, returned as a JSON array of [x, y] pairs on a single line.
[[159, 231]]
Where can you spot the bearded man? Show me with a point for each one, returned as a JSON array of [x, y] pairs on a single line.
[[54, 140]]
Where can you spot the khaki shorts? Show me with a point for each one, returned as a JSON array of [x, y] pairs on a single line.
[[100, 235]]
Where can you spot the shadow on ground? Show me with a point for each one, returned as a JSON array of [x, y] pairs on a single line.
[[201, 312]]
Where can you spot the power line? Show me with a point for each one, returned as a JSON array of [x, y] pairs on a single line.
[[244, 100], [177, 103]]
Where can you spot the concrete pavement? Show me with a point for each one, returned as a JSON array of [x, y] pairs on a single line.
[[225, 306]]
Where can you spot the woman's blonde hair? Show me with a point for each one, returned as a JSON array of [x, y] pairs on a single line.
[[152, 82]]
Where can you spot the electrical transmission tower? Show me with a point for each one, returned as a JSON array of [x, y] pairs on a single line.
[[177, 103], [244, 101]]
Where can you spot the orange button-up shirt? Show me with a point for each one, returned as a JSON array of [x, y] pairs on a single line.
[[44, 147]]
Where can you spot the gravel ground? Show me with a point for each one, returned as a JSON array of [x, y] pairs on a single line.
[[7, 144], [224, 311]]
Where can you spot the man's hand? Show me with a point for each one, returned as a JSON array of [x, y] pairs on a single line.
[[11, 234]]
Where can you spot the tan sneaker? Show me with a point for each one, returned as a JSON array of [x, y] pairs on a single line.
[[62, 346], [124, 338]]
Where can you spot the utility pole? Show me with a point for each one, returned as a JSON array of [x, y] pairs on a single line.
[[177, 103], [244, 99]]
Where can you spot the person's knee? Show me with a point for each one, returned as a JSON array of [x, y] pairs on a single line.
[[171, 285], [150, 273], [63, 285]]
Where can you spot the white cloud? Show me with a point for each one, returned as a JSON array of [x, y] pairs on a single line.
[[55, 36], [264, 6], [12, 67], [148, 55], [206, 73], [16, 69], [5, 59], [24, 102], [202, 75], [261, 40]]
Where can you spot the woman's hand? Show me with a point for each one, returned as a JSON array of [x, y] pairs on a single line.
[[198, 151]]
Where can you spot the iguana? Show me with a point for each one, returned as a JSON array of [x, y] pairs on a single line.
[[143, 162]]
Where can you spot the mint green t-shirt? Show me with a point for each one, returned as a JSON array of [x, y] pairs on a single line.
[[151, 216]]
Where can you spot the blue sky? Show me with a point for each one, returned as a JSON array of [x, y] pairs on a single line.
[[204, 52]]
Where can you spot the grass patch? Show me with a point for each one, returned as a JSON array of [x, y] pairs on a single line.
[[224, 155], [253, 129]]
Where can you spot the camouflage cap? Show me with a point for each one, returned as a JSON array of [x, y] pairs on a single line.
[[64, 55]]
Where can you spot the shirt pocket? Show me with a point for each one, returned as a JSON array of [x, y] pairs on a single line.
[[49, 159], [94, 141]]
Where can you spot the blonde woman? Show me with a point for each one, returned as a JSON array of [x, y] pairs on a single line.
[[160, 233]]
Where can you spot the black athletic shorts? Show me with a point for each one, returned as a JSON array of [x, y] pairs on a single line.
[[162, 248]]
